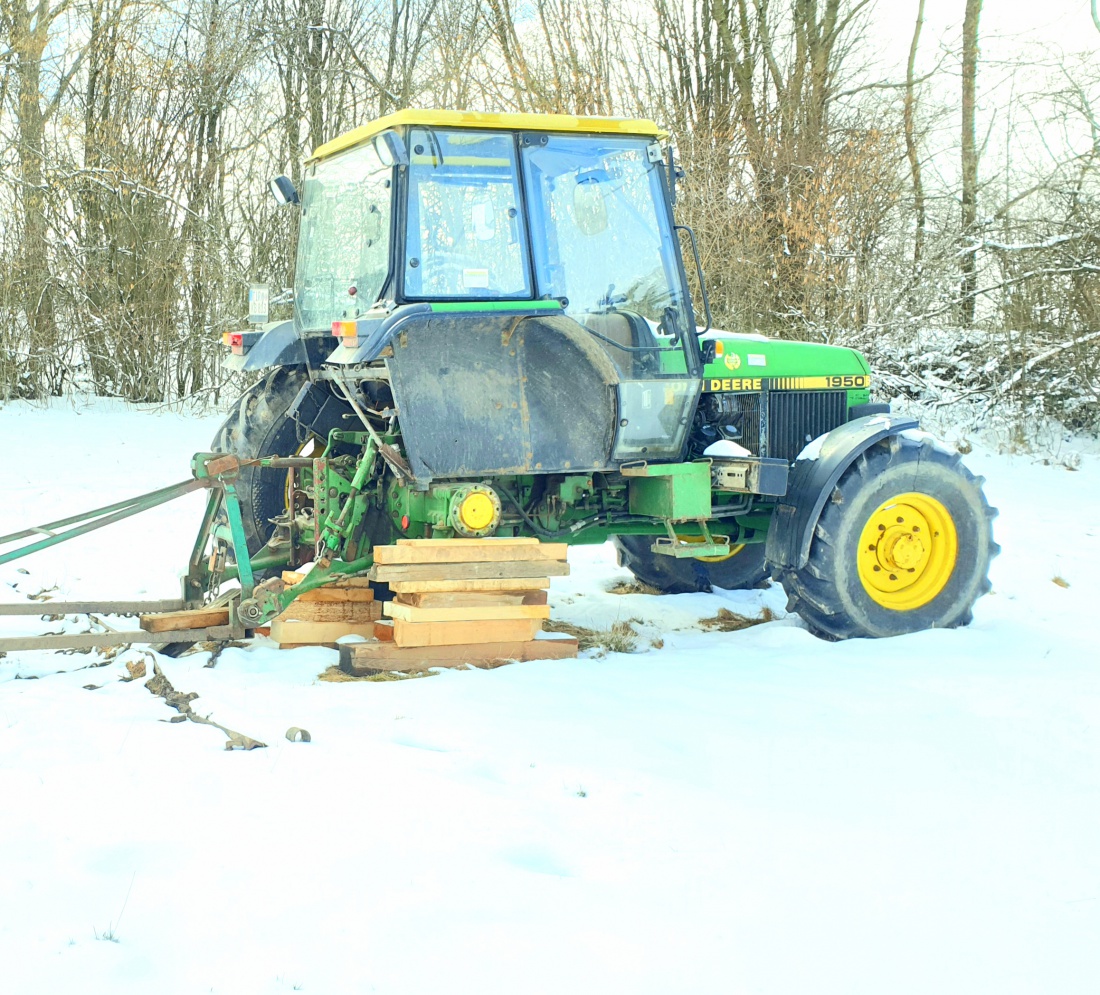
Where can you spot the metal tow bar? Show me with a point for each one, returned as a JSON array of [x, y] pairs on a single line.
[[215, 472]]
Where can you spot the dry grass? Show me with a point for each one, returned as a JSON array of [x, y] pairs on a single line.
[[632, 587], [727, 621], [620, 638], [338, 676]]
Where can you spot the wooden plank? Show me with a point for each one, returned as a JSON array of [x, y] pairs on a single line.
[[473, 599], [352, 589], [332, 611], [317, 633], [490, 540], [453, 551], [383, 631], [464, 614], [197, 618], [452, 633], [377, 657], [452, 586], [468, 571], [338, 595]]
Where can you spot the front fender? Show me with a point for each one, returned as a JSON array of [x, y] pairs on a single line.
[[812, 481]]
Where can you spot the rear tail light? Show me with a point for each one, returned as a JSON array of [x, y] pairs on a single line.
[[347, 332], [240, 342]]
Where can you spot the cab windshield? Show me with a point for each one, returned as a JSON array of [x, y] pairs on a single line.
[[343, 255]]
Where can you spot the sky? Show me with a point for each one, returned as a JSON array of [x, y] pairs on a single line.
[[1006, 26]]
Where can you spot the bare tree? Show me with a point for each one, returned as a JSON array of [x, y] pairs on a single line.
[[969, 146], [920, 217]]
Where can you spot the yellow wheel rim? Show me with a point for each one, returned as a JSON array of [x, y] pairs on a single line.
[[907, 551], [734, 550]]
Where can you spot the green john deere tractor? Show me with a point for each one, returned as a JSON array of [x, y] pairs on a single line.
[[493, 336]]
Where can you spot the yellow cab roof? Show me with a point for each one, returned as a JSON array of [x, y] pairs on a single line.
[[492, 122]]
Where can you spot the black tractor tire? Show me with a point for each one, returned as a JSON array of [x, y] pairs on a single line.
[[671, 575], [888, 490], [258, 425]]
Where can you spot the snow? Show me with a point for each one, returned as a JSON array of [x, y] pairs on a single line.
[[743, 812], [726, 448]]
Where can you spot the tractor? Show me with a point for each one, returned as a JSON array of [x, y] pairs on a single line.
[[494, 335]]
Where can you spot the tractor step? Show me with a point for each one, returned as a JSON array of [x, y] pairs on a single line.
[[720, 546]]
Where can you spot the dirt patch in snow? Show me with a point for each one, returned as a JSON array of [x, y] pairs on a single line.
[[727, 621]]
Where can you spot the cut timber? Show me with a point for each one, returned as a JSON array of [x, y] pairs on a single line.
[[353, 589], [471, 599], [449, 552], [383, 631], [338, 595], [451, 586], [332, 611], [198, 618], [378, 657], [458, 633], [465, 614], [317, 633], [508, 570]]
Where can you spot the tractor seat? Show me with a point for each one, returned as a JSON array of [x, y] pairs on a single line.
[[621, 332]]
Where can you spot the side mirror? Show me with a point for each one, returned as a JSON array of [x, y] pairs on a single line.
[[282, 189], [390, 149]]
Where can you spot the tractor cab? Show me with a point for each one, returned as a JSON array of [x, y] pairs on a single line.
[[519, 278]]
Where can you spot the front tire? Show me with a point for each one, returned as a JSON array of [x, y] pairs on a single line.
[[903, 544]]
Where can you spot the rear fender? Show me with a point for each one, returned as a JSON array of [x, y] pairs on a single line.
[[812, 481], [278, 346]]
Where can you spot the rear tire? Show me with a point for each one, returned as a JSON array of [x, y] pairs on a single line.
[[258, 425], [671, 575], [903, 544]]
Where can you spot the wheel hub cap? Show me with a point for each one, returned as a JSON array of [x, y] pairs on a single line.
[[907, 551]]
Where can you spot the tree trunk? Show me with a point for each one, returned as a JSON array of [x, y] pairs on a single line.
[[969, 157], [911, 144]]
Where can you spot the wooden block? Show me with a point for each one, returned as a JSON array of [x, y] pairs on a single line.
[[452, 586], [458, 633], [473, 599], [317, 633], [464, 614], [332, 611], [343, 589], [379, 657], [383, 631], [454, 551], [336, 595], [508, 570], [197, 618]]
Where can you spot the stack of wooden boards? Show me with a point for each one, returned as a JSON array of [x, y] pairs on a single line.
[[455, 601], [323, 615]]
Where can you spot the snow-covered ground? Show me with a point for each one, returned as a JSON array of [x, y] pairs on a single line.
[[743, 812]]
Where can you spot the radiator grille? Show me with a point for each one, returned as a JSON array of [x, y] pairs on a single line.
[[797, 417]]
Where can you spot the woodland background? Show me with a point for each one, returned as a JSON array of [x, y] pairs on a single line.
[[944, 217]]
